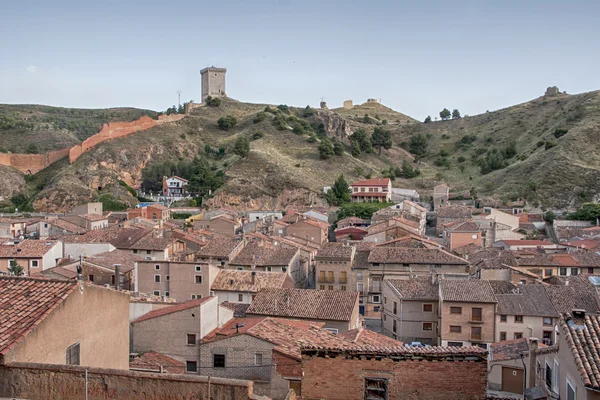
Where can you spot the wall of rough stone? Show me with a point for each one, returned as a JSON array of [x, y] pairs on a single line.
[[62, 382]]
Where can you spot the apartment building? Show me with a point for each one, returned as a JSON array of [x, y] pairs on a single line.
[[333, 266]]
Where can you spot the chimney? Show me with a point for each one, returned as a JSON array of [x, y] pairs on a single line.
[[253, 277], [307, 239], [117, 276], [578, 316], [533, 346]]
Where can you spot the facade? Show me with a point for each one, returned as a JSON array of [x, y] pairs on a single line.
[[308, 230], [53, 323], [378, 190], [262, 257], [213, 82], [34, 256], [333, 266], [154, 212], [222, 224], [174, 187], [89, 222], [459, 234], [467, 313], [235, 286], [449, 214], [441, 194]]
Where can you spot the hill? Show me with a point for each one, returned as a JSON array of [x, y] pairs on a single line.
[[545, 150]]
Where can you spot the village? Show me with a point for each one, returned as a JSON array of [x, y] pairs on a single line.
[[285, 304]]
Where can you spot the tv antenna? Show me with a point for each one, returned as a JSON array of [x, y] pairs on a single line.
[[238, 326], [179, 97]]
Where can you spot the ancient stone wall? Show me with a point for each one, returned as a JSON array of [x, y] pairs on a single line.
[[43, 381]]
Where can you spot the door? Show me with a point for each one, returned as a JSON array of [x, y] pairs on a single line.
[[361, 310], [512, 380], [296, 386]]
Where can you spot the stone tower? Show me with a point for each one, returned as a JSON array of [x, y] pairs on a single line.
[[213, 82]]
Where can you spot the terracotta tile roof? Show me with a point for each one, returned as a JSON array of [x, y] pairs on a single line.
[[155, 361], [151, 242], [305, 303], [109, 259], [529, 300], [421, 288], [157, 206], [467, 249], [309, 247], [24, 303], [467, 291], [583, 341], [534, 259], [400, 255], [232, 280], [465, 226], [366, 337], [115, 235], [454, 211], [382, 182], [59, 273], [239, 309], [411, 241], [526, 242], [568, 298], [67, 226], [339, 251], [509, 349], [314, 222], [219, 248], [369, 194], [587, 258], [93, 217], [254, 254], [433, 352], [589, 244], [352, 221], [361, 258], [26, 249], [173, 309], [503, 287]]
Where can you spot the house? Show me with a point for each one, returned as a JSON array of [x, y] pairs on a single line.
[[353, 222], [176, 330], [390, 229], [54, 228], [220, 251], [317, 215], [154, 246], [262, 257], [174, 186], [308, 229], [308, 252], [153, 361], [441, 195], [33, 256], [461, 233], [410, 309], [526, 245], [336, 310], [258, 215], [49, 321], [400, 372], [498, 225], [467, 313], [448, 214], [87, 208], [223, 224], [179, 280], [377, 190], [524, 311], [89, 222], [236, 286], [154, 212], [399, 194], [406, 210], [506, 361], [350, 233], [14, 227], [333, 266], [395, 260]]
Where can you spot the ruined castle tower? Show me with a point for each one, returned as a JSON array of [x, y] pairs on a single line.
[[213, 82]]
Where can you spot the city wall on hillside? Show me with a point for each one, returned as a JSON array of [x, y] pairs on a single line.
[[32, 163]]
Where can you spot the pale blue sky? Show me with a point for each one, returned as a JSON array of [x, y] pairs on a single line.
[[418, 57]]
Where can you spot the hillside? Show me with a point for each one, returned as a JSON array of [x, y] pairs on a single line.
[[283, 166]]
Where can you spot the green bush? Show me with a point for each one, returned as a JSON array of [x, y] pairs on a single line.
[[325, 149], [259, 117], [338, 148], [182, 215], [284, 108], [461, 159], [129, 188], [109, 203], [308, 112], [312, 138], [213, 101], [549, 144], [418, 145], [360, 210], [32, 149], [226, 123], [257, 135], [242, 146], [559, 132]]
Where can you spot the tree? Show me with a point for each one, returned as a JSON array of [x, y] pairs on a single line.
[[408, 171], [428, 119], [549, 216], [213, 101], [242, 146], [381, 138], [226, 123], [418, 145], [455, 114], [32, 149], [587, 212], [445, 114], [15, 269], [308, 112], [339, 192], [325, 148], [338, 148], [363, 141]]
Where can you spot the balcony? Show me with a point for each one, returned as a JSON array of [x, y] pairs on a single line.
[[375, 287], [476, 320]]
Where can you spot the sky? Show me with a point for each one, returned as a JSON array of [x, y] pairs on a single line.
[[417, 57]]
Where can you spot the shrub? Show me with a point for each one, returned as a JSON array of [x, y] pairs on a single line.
[[298, 130], [559, 132], [257, 135], [540, 143], [461, 159], [242, 146], [284, 108], [213, 101], [312, 138], [325, 149], [361, 142], [280, 123], [549, 144], [308, 112], [443, 153], [418, 145], [32, 149], [226, 123], [466, 141], [442, 162], [129, 188], [259, 117], [338, 148], [109, 203], [428, 119]]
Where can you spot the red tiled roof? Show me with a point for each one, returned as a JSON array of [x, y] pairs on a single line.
[[384, 182], [467, 291], [67, 226], [93, 217], [27, 249], [242, 281], [173, 309], [366, 337], [433, 352], [254, 254], [24, 303], [509, 349], [402, 255], [583, 340], [527, 243], [583, 244], [153, 361], [369, 194]]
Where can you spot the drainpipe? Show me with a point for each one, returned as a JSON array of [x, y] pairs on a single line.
[[401, 317]]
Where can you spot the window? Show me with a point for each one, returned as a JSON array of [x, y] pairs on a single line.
[[384, 318], [156, 278], [211, 293], [427, 326], [574, 271], [330, 276], [427, 307], [548, 321], [376, 388], [548, 376], [91, 278], [191, 339], [167, 278], [455, 344], [167, 293], [360, 287], [502, 336], [570, 391], [330, 287], [196, 296], [562, 271], [35, 263], [556, 377], [476, 333], [156, 266], [198, 268], [502, 318], [134, 251], [455, 310], [376, 299], [198, 279], [519, 319], [73, 354], [590, 271], [343, 288], [518, 335], [191, 366], [321, 276], [322, 287], [359, 276], [548, 272], [148, 252], [343, 277], [455, 328], [473, 236], [394, 326], [476, 314], [218, 360], [395, 308], [240, 297], [156, 293], [258, 359], [332, 330]]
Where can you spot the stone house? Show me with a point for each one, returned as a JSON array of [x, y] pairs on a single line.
[[34, 256], [53, 228], [223, 224], [220, 252], [88, 222], [506, 363], [14, 227], [448, 214], [333, 266], [391, 229], [155, 212], [177, 330], [308, 229], [336, 310], [406, 210], [374, 190], [235, 286], [87, 208], [458, 234], [179, 280], [353, 221], [263, 257], [53, 323], [393, 373], [525, 245], [410, 309], [467, 313]]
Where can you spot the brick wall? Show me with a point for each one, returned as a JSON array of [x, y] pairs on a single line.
[[43, 381], [341, 378]]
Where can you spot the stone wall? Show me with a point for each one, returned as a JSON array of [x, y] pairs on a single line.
[[32, 163], [62, 382]]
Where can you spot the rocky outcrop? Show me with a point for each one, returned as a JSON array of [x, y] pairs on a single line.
[[287, 198], [11, 182], [336, 127]]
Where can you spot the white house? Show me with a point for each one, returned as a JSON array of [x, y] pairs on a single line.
[[174, 186]]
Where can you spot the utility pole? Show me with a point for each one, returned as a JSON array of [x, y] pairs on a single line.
[[178, 97]]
